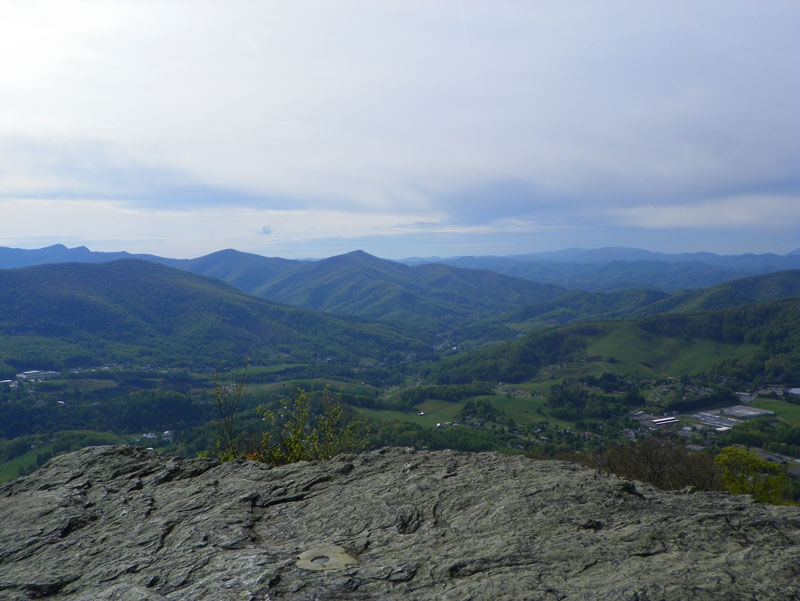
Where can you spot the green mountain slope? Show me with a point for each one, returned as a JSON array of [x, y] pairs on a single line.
[[12, 258], [136, 311], [610, 276], [601, 269], [605, 269], [579, 306], [583, 306], [735, 293], [244, 271], [426, 299], [763, 335]]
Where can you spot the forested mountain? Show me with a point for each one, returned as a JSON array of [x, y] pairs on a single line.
[[577, 306], [604, 276], [602, 269], [610, 254], [766, 261], [734, 293], [759, 339], [609, 269], [166, 332], [11, 258], [426, 299], [136, 311], [244, 271]]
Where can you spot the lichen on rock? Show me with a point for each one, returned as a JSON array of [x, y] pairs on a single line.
[[108, 523]]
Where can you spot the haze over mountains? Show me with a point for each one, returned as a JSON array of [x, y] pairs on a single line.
[[601, 269], [107, 304], [613, 268], [450, 303]]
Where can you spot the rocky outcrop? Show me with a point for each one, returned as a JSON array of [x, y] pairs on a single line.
[[118, 523]]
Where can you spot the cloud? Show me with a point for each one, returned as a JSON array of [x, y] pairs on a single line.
[[741, 211], [265, 230], [467, 116], [85, 169]]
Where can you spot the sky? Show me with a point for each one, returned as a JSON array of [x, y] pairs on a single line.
[[405, 128]]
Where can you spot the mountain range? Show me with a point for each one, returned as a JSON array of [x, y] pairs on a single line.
[[581, 305], [137, 311], [431, 303], [378, 328], [763, 336], [602, 269], [614, 269], [424, 300]]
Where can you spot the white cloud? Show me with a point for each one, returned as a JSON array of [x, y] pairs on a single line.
[[739, 211], [183, 233], [386, 103], [190, 233], [390, 108]]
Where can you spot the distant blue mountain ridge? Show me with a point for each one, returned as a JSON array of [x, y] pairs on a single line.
[[602, 269]]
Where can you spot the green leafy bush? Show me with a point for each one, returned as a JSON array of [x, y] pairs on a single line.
[[302, 436]]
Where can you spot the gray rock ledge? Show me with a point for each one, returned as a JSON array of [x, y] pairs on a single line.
[[119, 523]]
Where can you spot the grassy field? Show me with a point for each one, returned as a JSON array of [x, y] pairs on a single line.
[[436, 411], [10, 469], [523, 410], [788, 412], [526, 411], [636, 351], [60, 441]]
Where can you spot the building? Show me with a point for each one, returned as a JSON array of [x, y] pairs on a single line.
[[35, 375]]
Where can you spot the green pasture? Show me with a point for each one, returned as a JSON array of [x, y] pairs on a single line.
[[636, 351], [59, 442], [10, 469], [523, 410], [788, 412], [435, 410]]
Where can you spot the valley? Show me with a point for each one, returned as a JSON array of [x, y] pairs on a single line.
[[429, 356]]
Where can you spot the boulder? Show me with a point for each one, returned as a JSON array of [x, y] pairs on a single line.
[[127, 524]]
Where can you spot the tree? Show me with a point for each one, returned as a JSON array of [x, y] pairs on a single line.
[[228, 397], [662, 462], [745, 472]]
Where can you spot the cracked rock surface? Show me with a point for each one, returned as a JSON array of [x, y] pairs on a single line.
[[119, 523]]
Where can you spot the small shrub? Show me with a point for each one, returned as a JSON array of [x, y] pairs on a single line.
[[303, 437]]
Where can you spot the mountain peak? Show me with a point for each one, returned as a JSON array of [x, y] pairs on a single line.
[[358, 257]]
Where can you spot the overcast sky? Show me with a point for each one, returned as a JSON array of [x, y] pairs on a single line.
[[401, 127]]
